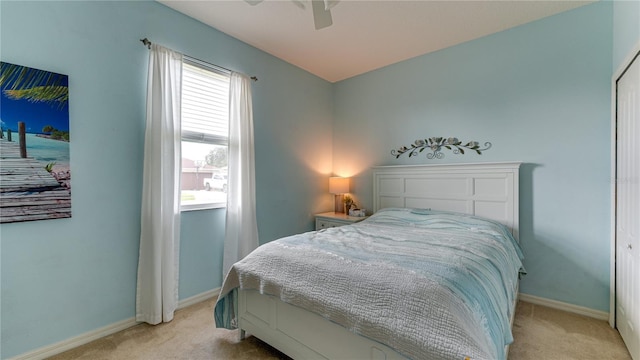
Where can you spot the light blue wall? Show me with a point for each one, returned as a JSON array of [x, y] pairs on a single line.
[[201, 249], [540, 93], [626, 29], [62, 278]]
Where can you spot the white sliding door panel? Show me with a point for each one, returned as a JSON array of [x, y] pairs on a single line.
[[628, 208]]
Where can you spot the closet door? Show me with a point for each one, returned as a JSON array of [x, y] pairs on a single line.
[[628, 208]]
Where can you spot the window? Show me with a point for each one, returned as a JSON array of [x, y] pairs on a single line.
[[205, 134]]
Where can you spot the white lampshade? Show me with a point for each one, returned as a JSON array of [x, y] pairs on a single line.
[[338, 185]]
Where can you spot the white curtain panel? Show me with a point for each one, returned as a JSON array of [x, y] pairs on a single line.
[[157, 289], [241, 235]]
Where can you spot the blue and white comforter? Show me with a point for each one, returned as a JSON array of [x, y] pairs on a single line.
[[430, 285]]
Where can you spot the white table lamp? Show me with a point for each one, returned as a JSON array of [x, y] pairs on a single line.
[[338, 186]]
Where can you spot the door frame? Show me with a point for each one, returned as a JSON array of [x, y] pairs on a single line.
[[635, 52]]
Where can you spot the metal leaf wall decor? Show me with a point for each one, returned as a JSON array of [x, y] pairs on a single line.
[[434, 146]]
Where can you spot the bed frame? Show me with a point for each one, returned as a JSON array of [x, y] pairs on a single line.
[[489, 190]]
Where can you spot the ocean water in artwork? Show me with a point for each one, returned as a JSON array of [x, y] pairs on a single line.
[[46, 150]]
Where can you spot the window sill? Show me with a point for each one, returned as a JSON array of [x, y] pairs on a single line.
[[202, 206]]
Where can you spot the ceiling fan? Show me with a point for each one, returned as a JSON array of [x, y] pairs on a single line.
[[321, 10]]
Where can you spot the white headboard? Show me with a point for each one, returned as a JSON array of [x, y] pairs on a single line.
[[489, 190]]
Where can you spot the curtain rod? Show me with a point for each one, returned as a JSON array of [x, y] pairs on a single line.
[[148, 43]]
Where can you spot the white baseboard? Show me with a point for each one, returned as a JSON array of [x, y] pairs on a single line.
[[198, 298], [62, 346], [575, 309]]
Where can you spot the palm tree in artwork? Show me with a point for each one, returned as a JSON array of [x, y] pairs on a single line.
[[21, 82]]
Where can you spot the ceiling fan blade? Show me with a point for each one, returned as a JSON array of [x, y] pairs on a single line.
[[253, 2], [299, 4], [321, 16], [328, 4]]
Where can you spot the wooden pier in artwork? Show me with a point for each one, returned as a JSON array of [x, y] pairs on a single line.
[[27, 190]]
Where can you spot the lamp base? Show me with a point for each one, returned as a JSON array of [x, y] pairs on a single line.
[[339, 206]]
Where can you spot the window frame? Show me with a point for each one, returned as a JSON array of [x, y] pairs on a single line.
[[202, 138]]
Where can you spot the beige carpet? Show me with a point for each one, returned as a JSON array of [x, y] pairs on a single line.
[[540, 333]]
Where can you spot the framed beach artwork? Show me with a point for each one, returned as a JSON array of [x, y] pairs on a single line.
[[35, 173]]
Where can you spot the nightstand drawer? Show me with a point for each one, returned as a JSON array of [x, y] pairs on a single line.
[[325, 224], [332, 219]]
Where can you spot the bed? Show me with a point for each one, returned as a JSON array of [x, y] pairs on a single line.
[[433, 274]]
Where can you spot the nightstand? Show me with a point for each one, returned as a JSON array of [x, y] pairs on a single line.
[[334, 219]]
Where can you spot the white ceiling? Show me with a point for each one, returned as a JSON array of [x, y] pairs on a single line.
[[366, 34]]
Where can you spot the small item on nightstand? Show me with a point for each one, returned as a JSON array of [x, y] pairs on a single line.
[[357, 212], [348, 203]]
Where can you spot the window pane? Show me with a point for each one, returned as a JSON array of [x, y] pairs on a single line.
[[205, 101], [204, 173], [205, 132]]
